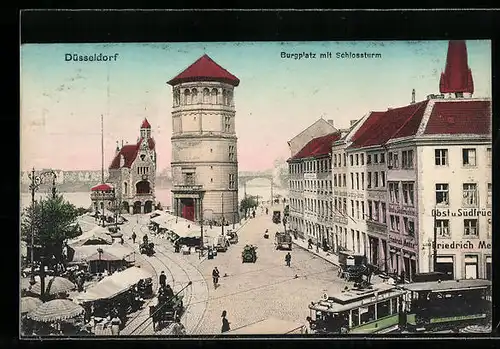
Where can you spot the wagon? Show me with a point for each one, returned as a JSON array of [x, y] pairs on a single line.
[[165, 313], [249, 254], [147, 248]]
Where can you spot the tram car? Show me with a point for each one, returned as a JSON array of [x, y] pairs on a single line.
[[249, 254], [164, 313], [417, 307], [147, 248], [283, 241]]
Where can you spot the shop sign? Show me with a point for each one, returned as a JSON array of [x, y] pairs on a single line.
[[408, 211], [402, 241]]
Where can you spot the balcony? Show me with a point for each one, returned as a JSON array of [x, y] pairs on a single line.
[[187, 188], [99, 196]]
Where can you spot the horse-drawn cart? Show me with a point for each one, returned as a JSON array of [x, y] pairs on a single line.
[[249, 254], [166, 312], [147, 248]]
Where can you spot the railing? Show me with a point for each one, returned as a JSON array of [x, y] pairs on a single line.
[[101, 196], [188, 187]]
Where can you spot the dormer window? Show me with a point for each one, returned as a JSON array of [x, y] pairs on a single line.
[[143, 156]]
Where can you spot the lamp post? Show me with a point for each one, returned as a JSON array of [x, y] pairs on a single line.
[[202, 242], [36, 181], [222, 201], [235, 208]]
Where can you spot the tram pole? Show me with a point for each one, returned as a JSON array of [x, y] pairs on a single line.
[[434, 244], [222, 202]]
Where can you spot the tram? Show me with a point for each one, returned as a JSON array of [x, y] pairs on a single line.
[[423, 306]]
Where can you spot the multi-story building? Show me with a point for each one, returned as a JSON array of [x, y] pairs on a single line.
[[132, 174], [311, 190], [204, 143], [319, 128]]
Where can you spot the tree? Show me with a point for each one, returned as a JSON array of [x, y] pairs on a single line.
[[247, 204], [53, 220]]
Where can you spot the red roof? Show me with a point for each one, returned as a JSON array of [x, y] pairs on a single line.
[[205, 69], [382, 126], [317, 147], [145, 124], [129, 153], [102, 187], [457, 76], [460, 117]]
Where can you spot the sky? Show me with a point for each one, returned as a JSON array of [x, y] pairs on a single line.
[[278, 97]]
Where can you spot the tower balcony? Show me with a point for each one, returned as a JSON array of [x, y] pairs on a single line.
[[187, 188], [99, 196]]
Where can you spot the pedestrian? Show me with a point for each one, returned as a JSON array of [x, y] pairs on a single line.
[[267, 210], [215, 276], [225, 323], [309, 243], [309, 326], [317, 246], [163, 279], [134, 237], [115, 325], [288, 259], [169, 293], [121, 240]]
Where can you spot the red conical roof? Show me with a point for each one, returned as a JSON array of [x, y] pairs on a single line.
[[145, 124], [205, 69], [457, 76]]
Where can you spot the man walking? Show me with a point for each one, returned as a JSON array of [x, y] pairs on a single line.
[[225, 322], [215, 277], [163, 279], [134, 237], [288, 259]]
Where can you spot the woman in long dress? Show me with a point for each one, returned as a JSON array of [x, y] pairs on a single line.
[[115, 325]]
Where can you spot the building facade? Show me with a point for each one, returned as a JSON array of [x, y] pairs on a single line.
[[132, 175], [311, 189], [204, 143]]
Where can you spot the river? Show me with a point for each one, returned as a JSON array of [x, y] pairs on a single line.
[[164, 195]]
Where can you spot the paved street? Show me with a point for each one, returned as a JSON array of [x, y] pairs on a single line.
[[252, 292]]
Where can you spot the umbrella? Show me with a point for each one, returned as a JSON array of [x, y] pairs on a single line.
[[53, 285], [28, 304], [56, 310]]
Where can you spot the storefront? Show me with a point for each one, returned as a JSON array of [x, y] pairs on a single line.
[[446, 265], [471, 267]]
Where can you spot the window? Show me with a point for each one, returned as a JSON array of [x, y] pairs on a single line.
[[363, 209], [368, 159], [409, 226], [488, 198], [395, 160], [351, 161], [352, 208], [357, 209], [357, 181], [231, 153], [370, 210], [488, 156], [470, 227], [469, 194], [382, 178], [375, 158], [375, 179], [390, 161], [369, 185], [376, 211], [344, 209], [352, 180], [334, 160], [441, 157], [232, 181], [442, 194], [345, 159], [357, 159], [394, 223], [362, 159], [382, 158], [227, 120], [189, 178], [344, 178], [442, 227], [384, 212], [469, 157], [394, 192], [408, 194], [362, 181], [407, 159], [334, 180]]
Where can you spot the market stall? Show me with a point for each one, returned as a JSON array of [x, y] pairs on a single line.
[[54, 286], [55, 317]]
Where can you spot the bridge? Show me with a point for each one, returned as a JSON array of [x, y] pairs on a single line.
[[246, 176]]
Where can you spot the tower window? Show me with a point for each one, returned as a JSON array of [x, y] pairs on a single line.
[[143, 157]]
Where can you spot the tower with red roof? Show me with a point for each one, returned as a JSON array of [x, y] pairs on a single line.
[[204, 143], [132, 174], [456, 80]]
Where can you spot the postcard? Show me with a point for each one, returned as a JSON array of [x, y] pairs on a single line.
[[238, 189]]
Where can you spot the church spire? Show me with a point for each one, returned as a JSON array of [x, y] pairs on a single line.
[[457, 76]]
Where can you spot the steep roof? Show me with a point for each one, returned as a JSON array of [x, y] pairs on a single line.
[[382, 126], [460, 117], [129, 153], [205, 69], [317, 147], [145, 124], [457, 76]]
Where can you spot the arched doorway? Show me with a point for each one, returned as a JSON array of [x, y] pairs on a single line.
[[137, 207], [148, 207], [188, 209], [125, 207], [142, 187]]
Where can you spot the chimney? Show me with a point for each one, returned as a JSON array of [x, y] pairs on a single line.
[[330, 122], [353, 122], [413, 96]]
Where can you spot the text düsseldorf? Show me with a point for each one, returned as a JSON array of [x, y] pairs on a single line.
[[96, 57]]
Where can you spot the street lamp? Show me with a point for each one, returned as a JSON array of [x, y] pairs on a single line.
[[36, 181]]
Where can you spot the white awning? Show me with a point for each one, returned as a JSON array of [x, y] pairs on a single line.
[[488, 259], [441, 259]]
